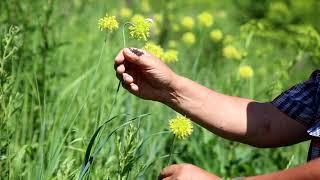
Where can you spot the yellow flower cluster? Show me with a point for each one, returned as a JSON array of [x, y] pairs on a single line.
[[108, 23], [205, 19], [170, 56], [154, 49], [189, 38], [231, 52], [181, 127], [140, 28], [216, 35], [187, 22], [245, 72], [167, 57]]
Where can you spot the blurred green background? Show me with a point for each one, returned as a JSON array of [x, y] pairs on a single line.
[[55, 90]]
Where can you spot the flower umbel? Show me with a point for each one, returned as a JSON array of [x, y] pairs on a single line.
[[154, 49], [187, 22], [245, 72], [181, 127], [205, 19], [170, 56], [231, 52], [140, 29], [108, 23], [216, 35], [188, 38]]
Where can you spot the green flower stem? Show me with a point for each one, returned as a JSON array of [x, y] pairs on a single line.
[[171, 150], [123, 32]]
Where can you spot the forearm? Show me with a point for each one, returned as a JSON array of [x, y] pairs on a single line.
[[233, 118], [305, 171]]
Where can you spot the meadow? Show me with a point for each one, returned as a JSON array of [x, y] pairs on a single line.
[[59, 91]]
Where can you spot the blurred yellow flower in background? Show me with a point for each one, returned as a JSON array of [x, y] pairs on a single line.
[[154, 49], [108, 23], [140, 28], [170, 56], [125, 13], [245, 72], [231, 52], [181, 127], [216, 35], [205, 19], [187, 22], [188, 38]]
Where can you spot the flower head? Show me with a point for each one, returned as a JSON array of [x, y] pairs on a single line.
[[154, 49], [188, 38], [170, 56], [125, 13], [245, 72], [216, 35], [181, 127], [205, 19], [231, 52], [187, 22], [108, 23], [140, 28]]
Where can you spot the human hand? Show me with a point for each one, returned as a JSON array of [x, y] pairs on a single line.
[[144, 75], [185, 172]]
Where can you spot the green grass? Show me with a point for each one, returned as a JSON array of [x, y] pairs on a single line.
[[62, 91]]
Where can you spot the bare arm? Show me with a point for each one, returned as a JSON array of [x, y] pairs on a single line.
[[234, 118], [306, 171]]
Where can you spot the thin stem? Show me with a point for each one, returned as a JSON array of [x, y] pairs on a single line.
[[171, 150], [124, 34]]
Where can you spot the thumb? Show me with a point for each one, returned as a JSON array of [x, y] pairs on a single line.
[[135, 56]]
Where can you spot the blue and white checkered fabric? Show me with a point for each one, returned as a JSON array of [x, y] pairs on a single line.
[[302, 103]]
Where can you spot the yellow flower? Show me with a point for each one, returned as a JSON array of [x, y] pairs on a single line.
[[125, 13], [205, 19], [154, 49], [216, 35], [231, 52], [170, 56], [108, 23], [140, 28], [188, 38], [172, 44], [181, 127], [187, 22], [245, 72]]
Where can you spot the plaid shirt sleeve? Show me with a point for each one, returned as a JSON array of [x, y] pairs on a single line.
[[301, 102]]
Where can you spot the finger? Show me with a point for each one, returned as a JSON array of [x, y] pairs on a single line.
[[128, 79], [168, 171], [119, 58], [120, 69], [134, 88], [135, 59]]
